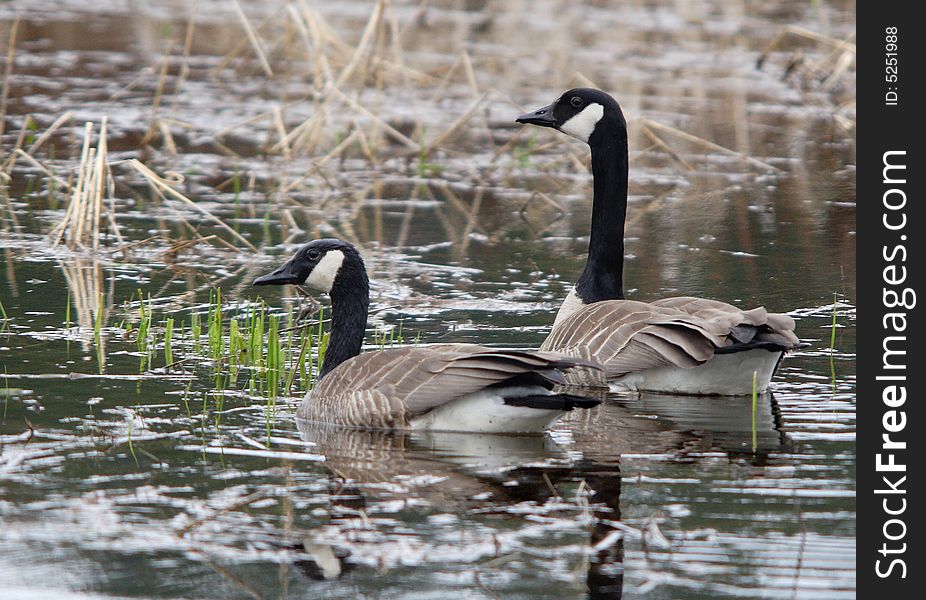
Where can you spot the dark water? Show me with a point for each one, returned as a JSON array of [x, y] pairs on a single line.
[[140, 484]]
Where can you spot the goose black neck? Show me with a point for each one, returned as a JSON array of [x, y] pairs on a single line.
[[350, 303], [602, 277]]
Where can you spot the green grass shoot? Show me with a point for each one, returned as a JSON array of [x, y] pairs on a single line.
[[196, 331], [216, 341], [168, 337], [144, 325]]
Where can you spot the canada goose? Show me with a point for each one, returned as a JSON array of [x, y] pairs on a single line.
[[675, 345], [447, 387]]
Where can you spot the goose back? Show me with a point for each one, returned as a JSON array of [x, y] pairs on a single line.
[[389, 388], [627, 336]]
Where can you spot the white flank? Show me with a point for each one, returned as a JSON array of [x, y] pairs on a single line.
[[570, 305], [583, 124], [322, 276], [723, 375], [486, 412]]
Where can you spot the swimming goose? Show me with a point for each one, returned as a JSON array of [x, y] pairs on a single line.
[[447, 387], [676, 345]]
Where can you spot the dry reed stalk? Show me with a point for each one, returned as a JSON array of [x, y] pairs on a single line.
[[365, 146], [85, 207], [168, 138], [451, 230], [466, 116], [474, 88], [360, 50], [654, 204], [48, 132], [458, 203], [350, 139], [401, 238], [840, 47], [469, 71], [291, 229], [258, 117], [158, 92], [306, 135], [395, 37], [205, 239], [311, 37], [8, 72], [657, 141], [224, 150], [522, 212], [548, 200], [705, 143], [818, 37], [254, 40], [389, 129], [163, 187], [241, 45], [472, 221], [504, 148], [281, 132], [184, 70], [317, 22], [7, 168], [442, 83], [177, 245], [842, 63]]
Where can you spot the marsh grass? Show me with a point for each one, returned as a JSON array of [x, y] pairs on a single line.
[[389, 337], [240, 347], [347, 83], [144, 326], [67, 312], [168, 342]]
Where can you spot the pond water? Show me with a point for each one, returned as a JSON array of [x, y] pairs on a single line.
[[122, 479]]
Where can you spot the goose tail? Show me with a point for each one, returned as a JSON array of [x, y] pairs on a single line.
[[562, 402]]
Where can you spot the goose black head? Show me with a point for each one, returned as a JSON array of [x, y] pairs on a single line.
[[583, 113], [317, 264]]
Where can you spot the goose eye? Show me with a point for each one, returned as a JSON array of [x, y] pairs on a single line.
[[312, 254], [575, 101]]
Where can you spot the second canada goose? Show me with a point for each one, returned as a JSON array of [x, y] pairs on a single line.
[[447, 387], [676, 345]]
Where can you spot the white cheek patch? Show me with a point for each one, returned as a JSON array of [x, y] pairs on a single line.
[[583, 124], [322, 276]]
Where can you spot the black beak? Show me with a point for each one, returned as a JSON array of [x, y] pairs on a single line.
[[541, 116], [282, 276]]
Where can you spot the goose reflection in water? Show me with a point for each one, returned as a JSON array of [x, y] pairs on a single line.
[[575, 473]]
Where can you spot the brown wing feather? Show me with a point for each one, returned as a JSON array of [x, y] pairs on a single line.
[[626, 336], [386, 389]]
